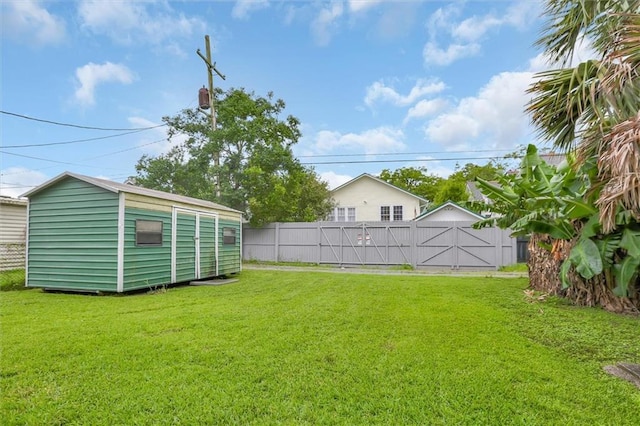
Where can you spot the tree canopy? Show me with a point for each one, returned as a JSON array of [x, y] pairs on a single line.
[[437, 189], [256, 170]]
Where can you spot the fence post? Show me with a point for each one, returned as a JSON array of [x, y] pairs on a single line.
[[277, 242], [318, 243], [497, 232], [413, 231]]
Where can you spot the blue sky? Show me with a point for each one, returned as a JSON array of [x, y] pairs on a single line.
[[379, 84]]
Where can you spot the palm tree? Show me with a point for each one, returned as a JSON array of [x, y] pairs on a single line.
[[593, 108]]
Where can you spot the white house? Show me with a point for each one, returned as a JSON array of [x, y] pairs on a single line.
[[368, 198]]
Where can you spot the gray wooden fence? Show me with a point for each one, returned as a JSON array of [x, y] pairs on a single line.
[[423, 245]]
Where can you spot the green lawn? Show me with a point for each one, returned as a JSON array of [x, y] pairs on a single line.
[[315, 348]]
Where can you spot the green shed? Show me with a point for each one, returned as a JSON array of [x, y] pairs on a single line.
[[90, 234]]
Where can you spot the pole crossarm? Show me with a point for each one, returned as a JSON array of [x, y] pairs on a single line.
[[211, 66]]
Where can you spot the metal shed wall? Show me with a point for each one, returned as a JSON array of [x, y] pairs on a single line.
[[229, 254], [73, 237], [82, 236], [146, 266]]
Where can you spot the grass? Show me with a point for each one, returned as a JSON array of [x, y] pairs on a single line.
[[315, 348], [516, 267], [12, 280]]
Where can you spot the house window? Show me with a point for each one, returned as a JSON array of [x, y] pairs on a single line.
[[342, 214], [351, 214], [385, 213], [228, 235], [397, 213], [148, 232]]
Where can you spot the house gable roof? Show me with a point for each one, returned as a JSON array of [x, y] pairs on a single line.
[[376, 179], [131, 189], [443, 206]]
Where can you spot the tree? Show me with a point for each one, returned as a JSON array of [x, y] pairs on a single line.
[[593, 107], [257, 172], [556, 205], [414, 180], [454, 188], [469, 172], [590, 111]]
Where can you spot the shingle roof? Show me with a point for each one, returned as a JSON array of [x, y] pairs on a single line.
[[131, 189]]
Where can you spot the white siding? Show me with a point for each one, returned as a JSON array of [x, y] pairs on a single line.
[[13, 224], [367, 195]]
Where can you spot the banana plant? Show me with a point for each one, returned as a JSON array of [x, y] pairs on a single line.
[[560, 202]]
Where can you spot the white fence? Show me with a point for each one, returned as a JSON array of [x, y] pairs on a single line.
[[423, 245]]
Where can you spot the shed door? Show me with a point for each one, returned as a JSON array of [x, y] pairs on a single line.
[[194, 246]]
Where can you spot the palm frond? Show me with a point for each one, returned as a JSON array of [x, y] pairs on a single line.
[[619, 169]]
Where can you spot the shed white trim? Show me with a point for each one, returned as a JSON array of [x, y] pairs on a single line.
[[121, 228], [174, 234], [26, 250], [448, 205]]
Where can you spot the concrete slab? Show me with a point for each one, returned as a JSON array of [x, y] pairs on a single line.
[[217, 281]]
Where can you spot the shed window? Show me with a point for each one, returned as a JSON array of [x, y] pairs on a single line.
[[228, 235], [148, 232]]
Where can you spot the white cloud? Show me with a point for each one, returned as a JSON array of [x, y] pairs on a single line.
[[583, 51], [91, 75], [379, 91], [465, 36], [495, 115], [436, 167], [374, 141], [15, 181], [519, 14], [26, 20], [324, 25], [133, 22], [425, 108], [243, 8], [156, 141], [434, 55], [334, 180], [472, 29], [356, 6]]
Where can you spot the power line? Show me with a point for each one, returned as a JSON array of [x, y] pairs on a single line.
[[73, 141], [75, 164], [400, 153], [409, 160], [125, 150], [57, 123], [51, 161]]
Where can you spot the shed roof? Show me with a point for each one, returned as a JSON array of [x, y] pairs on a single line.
[[13, 201], [448, 204], [131, 189], [367, 175]]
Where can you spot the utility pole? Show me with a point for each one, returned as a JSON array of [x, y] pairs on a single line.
[[211, 68]]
